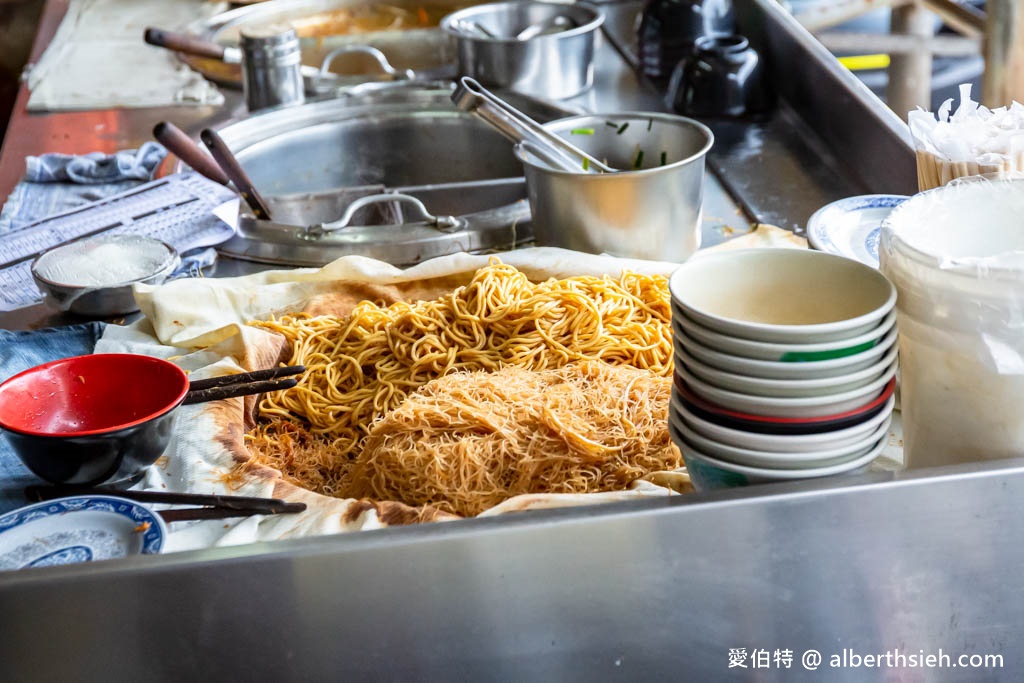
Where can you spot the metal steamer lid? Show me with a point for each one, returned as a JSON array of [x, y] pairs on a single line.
[[400, 244], [410, 229]]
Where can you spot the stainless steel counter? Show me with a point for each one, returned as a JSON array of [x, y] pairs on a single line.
[[651, 591]]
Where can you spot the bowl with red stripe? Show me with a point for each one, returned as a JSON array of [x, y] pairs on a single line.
[[768, 424]]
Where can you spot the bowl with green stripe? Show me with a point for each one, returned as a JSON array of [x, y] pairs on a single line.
[[785, 388], [782, 296], [782, 352], [710, 474], [781, 461], [751, 367]]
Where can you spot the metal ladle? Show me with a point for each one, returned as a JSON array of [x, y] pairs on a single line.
[[470, 96]]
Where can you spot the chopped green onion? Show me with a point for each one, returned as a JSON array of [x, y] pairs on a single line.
[[639, 161], [582, 131], [611, 124], [586, 164], [622, 128], [664, 158], [649, 122]]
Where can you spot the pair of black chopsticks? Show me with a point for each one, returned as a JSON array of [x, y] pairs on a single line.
[[209, 506], [242, 384]]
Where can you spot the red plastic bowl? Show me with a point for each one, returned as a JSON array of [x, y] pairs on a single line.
[[89, 419]]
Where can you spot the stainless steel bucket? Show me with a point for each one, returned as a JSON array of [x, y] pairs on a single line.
[[653, 212], [556, 65]]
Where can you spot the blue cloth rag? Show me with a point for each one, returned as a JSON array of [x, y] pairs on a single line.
[[55, 183], [20, 351], [96, 168]]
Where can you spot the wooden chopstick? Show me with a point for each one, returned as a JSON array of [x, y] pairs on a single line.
[[189, 514], [233, 390], [249, 504], [254, 376], [242, 384]]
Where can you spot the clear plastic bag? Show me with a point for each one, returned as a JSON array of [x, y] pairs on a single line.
[[956, 257]]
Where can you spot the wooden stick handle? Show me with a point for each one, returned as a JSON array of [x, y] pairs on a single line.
[[181, 42], [182, 146], [233, 390], [229, 164], [255, 376]]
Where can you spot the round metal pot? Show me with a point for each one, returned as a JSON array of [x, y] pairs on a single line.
[[556, 65], [653, 212], [312, 163], [396, 28]]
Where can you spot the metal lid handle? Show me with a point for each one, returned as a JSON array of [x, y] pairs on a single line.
[[422, 215], [377, 55]]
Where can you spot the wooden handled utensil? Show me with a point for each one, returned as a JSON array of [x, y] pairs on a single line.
[[229, 164], [191, 45], [182, 146]]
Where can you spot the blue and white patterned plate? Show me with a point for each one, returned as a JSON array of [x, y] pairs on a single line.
[[850, 227], [78, 529]]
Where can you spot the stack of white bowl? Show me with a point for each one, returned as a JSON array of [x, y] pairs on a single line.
[[785, 364]]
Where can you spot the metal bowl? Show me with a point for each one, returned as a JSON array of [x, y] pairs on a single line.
[[557, 65], [652, 212], [103, 299]]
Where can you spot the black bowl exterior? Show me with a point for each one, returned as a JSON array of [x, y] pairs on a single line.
[[668, 29], [723, 78], [94, 459]]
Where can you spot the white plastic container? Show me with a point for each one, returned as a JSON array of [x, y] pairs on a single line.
[[956, 256]]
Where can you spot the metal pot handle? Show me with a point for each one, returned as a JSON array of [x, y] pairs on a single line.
[[442, 223], [377, 55]]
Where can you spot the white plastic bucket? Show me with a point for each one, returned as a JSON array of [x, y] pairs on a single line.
[[956, 257]]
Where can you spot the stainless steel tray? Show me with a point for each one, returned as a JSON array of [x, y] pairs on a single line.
[[654, 591]]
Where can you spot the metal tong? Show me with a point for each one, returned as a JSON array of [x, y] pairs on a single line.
[[472, 97]]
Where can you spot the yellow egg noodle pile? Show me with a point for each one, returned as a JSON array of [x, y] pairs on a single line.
[[362, 366]]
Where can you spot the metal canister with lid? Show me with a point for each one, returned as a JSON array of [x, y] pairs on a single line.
[[271, 66]]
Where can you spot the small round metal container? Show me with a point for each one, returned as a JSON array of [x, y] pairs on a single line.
[[653, 212], [556, 65], [103, 299]]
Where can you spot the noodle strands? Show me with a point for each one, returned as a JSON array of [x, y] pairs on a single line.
[[361, 367], [468, 441]]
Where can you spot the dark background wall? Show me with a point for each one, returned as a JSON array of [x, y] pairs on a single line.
[[18, 20]]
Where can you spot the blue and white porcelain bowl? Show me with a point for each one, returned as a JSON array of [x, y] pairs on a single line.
[[852, 227], [78, 529]]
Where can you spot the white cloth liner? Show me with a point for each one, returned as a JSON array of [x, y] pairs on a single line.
[[200, 324]]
